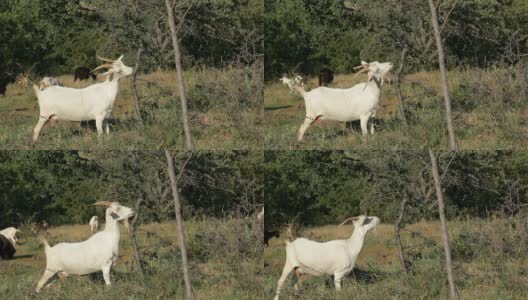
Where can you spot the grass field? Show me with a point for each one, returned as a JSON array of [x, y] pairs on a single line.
[[489, 112], [489, 260], [225, 262], [225, 113]]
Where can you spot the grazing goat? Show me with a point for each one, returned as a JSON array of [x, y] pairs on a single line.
[[97, 253], [360, 102], [37, 227], [22, 81], [269, 234], [94, 224], [83, 73], [93, 102], [336, 257], [7, 249], [325, 76], [296, 80], [10, 234], [49, 81], [5, 79]]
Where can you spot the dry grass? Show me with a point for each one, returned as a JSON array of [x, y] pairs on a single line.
[[488, 113], [379, 274], [211, 273], [232, 123]]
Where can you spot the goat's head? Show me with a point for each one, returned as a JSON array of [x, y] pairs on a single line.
[[374, 69], [365, 223], [117, 211], [116, 68]]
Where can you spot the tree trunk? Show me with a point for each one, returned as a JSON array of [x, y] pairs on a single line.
[[133, 229], [181, 82], [181, 230], [441, 61], [397, 227], [398, 86], [134, 88], [445, 236]]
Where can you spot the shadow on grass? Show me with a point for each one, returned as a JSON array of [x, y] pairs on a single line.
[[22, 257], [277, 107]]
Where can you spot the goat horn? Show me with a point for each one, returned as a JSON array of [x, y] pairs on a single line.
[[361, 71], [102, 66], [103, 203], [347, 220], [105, 59]]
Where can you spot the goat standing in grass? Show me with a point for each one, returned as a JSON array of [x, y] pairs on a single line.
[[336, 257], [360, 102], [94, 102], [98, 253]]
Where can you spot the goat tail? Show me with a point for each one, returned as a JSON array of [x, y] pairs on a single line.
[[43, 240]]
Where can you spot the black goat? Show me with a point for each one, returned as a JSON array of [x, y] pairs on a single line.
[[5, 79], [83, 73], [7, 250], [268, 235], [325, 76]]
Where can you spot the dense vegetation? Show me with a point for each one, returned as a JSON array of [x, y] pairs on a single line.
[[53, 37], [61, 186], [325, 187], [303, 35]]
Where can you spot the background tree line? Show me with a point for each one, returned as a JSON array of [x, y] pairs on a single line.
[[305, 35], [325, 187], [61, 186], [52, 37]]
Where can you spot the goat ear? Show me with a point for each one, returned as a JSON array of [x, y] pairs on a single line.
[[114, 216], [120, 57]]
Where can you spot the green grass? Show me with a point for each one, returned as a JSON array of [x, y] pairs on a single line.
[[487, 112], [492, 272], [218, 271], [225, 117]]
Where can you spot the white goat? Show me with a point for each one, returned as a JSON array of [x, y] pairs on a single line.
[[94, 223], [99, 252], [10, 234], [333, 258], [46, 82], [291, 83], [360, 102], [94, 102]]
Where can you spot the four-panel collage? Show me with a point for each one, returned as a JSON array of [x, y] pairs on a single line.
[[263, 149]]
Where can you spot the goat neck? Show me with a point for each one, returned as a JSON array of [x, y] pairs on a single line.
[[355, 242], [111, 225]]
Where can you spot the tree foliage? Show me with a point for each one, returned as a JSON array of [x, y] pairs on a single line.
[[304, 35], [60, 186], [321, 187]]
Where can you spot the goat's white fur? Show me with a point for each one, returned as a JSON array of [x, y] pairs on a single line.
[[10, 234], [336, 257], [46, 82], [94, 224], [94, 102], [360, 102], [97, 253]]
